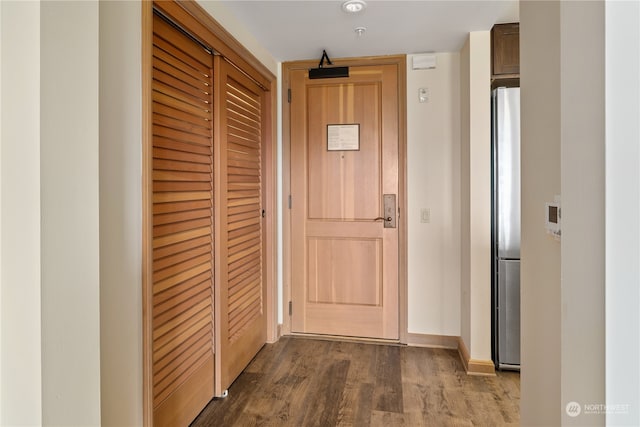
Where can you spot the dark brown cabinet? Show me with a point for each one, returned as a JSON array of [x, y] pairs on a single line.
[[505, 51]]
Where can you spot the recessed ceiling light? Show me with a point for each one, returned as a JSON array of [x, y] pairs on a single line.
[[353, 6]]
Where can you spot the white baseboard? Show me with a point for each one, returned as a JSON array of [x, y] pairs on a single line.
[[433, 341], [474, 366]]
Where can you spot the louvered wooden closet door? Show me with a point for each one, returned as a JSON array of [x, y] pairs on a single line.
[[242, 325], [183, 358]]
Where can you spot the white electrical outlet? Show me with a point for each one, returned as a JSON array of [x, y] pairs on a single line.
[[425, 215]]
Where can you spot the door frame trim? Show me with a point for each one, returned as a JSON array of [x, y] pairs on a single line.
[[287, 67], [193, 18]]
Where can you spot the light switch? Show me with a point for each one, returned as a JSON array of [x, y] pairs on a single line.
[[425, 215], [423, 94]]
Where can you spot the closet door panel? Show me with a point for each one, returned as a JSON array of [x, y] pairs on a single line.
[[183, 228], [242, 320]]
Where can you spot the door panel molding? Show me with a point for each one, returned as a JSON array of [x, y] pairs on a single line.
[[287, 69]]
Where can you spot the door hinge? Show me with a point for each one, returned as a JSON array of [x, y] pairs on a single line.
[[289, 95], [263, 213], [289, 201], [290, 308]]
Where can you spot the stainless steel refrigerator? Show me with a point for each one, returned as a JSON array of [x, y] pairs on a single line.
[[506, 227]]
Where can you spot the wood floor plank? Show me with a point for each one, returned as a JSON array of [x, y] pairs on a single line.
[[362, 357], [282, 397], [227, 410], [303, 382], [356, 405], [386, 419], [388, 391], [267, 358], [415, 366], [322, 404]]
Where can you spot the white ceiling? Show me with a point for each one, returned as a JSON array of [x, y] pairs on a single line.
[[293, 30]]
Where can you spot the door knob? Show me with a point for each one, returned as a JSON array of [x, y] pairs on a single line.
[[389, 211]]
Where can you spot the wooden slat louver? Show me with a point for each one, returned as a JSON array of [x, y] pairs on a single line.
[[208, 124], [242, 321], [244, 206], [182, 226]]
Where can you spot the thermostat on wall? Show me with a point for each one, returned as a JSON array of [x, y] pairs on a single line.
[[552, 217]]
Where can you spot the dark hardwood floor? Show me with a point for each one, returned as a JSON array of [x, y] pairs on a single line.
[[310, 382]]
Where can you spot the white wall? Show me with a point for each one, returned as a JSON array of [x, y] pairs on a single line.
[[476, 195], [1, 212], [20, 370], [465, 199], [563, 133], [69, 213], [52, 376], [540, 181], [583, 181], [433, 170], [121, 213], [225, 18], [49, 221], [622, 29], [480, 197]]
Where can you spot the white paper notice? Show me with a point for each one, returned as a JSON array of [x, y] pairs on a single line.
[[343, 137]]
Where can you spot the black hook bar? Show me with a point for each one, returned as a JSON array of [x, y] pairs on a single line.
[[323, 57]]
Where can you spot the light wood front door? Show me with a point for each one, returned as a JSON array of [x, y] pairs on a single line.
[[344, 159]]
